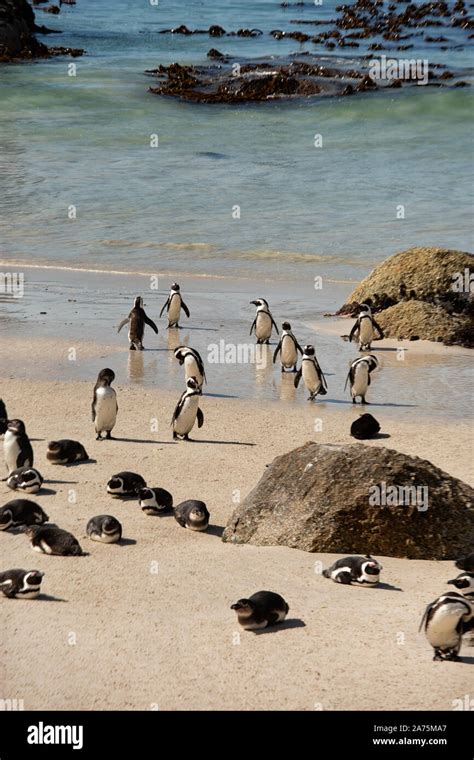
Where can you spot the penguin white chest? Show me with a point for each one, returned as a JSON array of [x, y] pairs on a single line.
[[187, 416], [288, 352], [11, 450], [441, 630], [105, 409], [310, 376], [361, 380], [191, 368], [174, 309], [263, 327], [366, 332]]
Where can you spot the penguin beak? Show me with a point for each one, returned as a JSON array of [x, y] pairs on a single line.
[[255, 303], [236, 606]]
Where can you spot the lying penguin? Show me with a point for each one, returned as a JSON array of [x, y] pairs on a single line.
[[21, 584], [21, 512], [66, 451], [155, 501], [466, 563], [49, 539], [260, 610], [355, 569], [445, 621], [125, 484], [192, 514], [27, 479], [365, 427], [104, 528]]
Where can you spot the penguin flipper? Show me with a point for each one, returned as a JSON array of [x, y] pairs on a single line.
[[298, 378], [150, 323], [165, 305], [276, 352], [254, 323], [350, 376], [298, 347], [378, 328], [185, 308], [200, 418], [353, 331], [426, 616], [122, 324], [274, 325], [178, 408]]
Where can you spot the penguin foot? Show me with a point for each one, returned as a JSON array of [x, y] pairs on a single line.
[[109, 437], [98, 437], [353, 400], [364, 401], [132, 347]]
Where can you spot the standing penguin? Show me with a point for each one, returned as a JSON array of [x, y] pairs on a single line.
[[365, 328], [359, 376], [312, 374], [173, 305], [137, 319], [193, 363], [3, 418], [104, 404], [289, 347], [354, 569], [17, 446], [187, 411], [21, 584], [263, 322], [445, 621], [260, 610]]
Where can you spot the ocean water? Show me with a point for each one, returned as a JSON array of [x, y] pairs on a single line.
[[84, 141]]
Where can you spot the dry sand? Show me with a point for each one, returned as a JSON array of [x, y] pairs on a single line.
[[115, 634]]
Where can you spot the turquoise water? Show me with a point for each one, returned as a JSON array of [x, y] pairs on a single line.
[[304, 211]]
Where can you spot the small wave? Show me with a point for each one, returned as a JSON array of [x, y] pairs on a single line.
[[140, 244]]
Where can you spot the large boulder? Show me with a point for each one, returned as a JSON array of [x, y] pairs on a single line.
[[421, 293], [348, 499], [17, 25]]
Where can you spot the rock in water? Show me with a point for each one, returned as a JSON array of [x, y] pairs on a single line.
[[425, 293], [356, 499], [365, 426], [17, 25]]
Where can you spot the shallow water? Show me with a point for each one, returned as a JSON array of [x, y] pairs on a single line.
[[83, 141]]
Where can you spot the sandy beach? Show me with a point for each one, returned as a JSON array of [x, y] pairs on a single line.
[[147, 624]]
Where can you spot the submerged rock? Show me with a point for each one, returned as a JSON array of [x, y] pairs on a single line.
[[357, 499]]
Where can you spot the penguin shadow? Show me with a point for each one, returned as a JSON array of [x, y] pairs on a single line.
[[126, 542], [283, 626], [466, 660], [75, 464], [224, 443], [215, 530], [220, 395], [48, 491], [60, 482], [388, 587], [386, 348], [379, 436], [49, 598], [141, 440], [368, 403], [202, 329]]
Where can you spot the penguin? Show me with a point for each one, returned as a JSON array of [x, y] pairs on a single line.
[[192, 514], [27, 479], [21, 584], [65, 451], [187, 411], [193, 363], [445, 621], [359, 376], [289, 347], [49, 539], [21, 512], [17, 446], [104, 404], [155, 501], [104, 528], [466, 563], [364, 329], [263, 322], [464, 582], [137, 319], [260, 610], [355, 569], [365, 427], [312, 374], [3, 418], [173, 305], [125, 484]]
